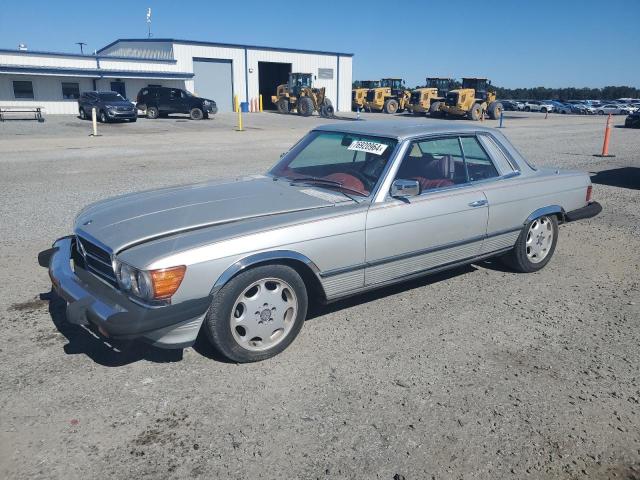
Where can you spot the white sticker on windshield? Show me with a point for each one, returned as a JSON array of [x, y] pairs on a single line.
[[370, 147]]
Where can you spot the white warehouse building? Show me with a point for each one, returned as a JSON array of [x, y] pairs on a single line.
[[218, 71]]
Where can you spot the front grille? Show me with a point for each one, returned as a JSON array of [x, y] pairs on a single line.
[[371, 95], [96, 260], [123, 109], [452, 99]]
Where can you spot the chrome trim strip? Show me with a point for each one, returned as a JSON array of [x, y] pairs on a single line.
[[421, 273], [416, 253]]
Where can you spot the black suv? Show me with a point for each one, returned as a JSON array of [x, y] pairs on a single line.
[[633, 120], [109, 106], [161, 101]]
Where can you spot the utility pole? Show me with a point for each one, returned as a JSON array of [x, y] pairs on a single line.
[[81, 45], [149, 22]]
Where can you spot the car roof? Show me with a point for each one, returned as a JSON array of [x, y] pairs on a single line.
[[402, 130]]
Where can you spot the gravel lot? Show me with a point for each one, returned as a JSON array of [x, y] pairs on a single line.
[[477, 373]]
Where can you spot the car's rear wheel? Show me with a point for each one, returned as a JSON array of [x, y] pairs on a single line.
[[83, 114], [257, 314], [196, 114], [535, 245], [153, 112]]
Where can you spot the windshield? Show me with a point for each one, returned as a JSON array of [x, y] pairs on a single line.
[[394, 83], [111, 97], [339, 161]]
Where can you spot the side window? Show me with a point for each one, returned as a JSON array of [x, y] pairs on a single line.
[[479, 165], [174, 95], [503, 163], [434, 163], [22, 89]]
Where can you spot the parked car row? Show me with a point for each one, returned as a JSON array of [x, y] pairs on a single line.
[[583, 107], [154, 102]]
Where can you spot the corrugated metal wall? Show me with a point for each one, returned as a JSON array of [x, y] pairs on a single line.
[[47, 91]]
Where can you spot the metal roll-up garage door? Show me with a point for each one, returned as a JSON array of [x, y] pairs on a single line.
[[213, 79]]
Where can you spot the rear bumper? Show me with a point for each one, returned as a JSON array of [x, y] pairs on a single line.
[[90, 301], [591, 210]]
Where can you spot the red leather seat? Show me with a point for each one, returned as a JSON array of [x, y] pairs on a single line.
[[430, 172]]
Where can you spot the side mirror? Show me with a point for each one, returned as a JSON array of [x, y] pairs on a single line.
[[405, 188]]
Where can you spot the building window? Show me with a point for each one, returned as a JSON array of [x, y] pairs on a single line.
[[70, 90], [118, 86], [22, 89]]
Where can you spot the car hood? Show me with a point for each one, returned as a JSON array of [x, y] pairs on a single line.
[[128, 220], [118, 103]]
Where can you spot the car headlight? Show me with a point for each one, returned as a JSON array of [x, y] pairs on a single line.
[[206, 102], [149, 285], [110, 106]]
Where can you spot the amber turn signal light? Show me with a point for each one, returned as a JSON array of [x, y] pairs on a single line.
[[166, 281], [589, 192]]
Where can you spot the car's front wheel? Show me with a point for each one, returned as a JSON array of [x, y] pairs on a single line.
[[535, 245], [153, 112], [196, 114], [257, 314]]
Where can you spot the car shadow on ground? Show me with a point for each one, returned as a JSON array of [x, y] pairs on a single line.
[[317, 310], [624, 177], [109, 353]]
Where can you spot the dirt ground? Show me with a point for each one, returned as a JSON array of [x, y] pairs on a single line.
[[479, 373]]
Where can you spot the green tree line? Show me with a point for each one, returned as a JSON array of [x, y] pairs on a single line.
[[543, 93]]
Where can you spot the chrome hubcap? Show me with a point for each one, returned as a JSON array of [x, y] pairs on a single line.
[[263, 314], [539, 239]]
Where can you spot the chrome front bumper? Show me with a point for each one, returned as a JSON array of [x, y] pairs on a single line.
[[91, 301]]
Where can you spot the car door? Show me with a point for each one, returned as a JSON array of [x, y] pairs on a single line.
[[443, 225], [164, 100]]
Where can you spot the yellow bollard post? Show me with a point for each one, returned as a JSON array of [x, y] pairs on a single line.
[[260, 103], [235, 103], [94, 120], [239, 120]]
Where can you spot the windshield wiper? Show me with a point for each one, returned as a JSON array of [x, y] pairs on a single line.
[[328, 183]]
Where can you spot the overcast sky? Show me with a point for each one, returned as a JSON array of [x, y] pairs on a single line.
[[519, 43]]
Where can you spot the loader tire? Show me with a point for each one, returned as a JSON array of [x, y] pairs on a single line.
[[283, 105], [305, 106], [434, 110], [390, 106], [476, 112], [495, 109]]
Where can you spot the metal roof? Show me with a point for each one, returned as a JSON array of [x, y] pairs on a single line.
[[227, 45], [403, 129], [93, 72], [79, 55]]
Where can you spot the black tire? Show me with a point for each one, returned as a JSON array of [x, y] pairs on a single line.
[[283, 105], [527, 109], [495, 109], [217, 323], [196, 114], [434, 109], [83, 114], [305, 106], [153, 112], [543, 109], [102, 116], [600, 112], [327, 111], [476, 112], [390, 106], [518, 260]]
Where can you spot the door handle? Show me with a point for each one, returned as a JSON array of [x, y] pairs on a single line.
[[478, 203]]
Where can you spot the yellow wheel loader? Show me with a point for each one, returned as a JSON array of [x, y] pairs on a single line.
[[359, 92], [434, 91], [390, 97], [299, 94], [473, 100]]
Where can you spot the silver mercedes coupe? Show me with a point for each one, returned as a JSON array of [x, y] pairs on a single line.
[[349, 208]]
